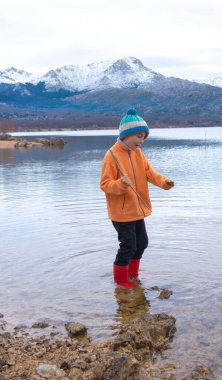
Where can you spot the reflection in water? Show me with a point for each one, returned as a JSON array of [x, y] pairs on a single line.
[[7, 156], [58, 245], [131, 304]]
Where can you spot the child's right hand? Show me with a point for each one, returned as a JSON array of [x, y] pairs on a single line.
[[125, 179]]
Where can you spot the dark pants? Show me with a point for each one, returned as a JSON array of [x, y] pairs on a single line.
[[133, 241]]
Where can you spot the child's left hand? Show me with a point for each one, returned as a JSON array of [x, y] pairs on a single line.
[[169, 183]]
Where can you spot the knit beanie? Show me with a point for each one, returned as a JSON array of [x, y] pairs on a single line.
[[131, 124]]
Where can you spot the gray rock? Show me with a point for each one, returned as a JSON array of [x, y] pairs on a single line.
[[57, 141], [42, 141], [1, 315], [53, 141], [49, 371], [155, 288], [40, 325], [22, 144], [75, 329], [165, 294], [21, 326]]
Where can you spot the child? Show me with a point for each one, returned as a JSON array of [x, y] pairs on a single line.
[[124, 177]]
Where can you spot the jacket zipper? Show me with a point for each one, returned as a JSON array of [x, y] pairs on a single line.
[[135, 181]]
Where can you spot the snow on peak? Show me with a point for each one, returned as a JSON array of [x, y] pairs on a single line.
[[13, 75], [128, 72], [120, 73], [216, 82]]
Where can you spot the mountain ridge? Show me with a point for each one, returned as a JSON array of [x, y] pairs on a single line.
[[65, 76], [90, 95]]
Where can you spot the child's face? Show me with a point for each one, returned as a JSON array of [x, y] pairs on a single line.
[[135, 141]]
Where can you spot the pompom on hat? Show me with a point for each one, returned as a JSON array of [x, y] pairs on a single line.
[[131, 124]]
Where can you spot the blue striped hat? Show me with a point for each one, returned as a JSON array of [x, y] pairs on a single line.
[[131, 124]]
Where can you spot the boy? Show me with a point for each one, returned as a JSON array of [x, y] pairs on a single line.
[[124, 177]]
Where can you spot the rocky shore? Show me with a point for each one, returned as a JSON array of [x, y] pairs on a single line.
[[10, 142], [128, 356]]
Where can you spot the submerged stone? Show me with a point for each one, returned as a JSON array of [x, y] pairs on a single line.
[[200, 373], [165, 294], [40, 325], [75, 329]]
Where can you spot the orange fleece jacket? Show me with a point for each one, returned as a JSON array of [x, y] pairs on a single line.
[[123, 203]]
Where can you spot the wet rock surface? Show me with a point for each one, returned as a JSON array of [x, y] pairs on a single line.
[[40, 325], [75, 357], [135, 351], [165, 294], [200, 373], [129, 355], [75, 329], [151, 333]]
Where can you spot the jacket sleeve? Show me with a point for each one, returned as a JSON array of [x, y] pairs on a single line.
[[153, 176], [109, 181]]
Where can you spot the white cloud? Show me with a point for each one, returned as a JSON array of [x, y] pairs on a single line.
[[180, 38]]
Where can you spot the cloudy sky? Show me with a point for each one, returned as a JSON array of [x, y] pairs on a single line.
[[174, 37]]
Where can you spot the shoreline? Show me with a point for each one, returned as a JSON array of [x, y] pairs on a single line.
[[7, 144], [134, 352], [19, 142], [74, 356], [44, 137]]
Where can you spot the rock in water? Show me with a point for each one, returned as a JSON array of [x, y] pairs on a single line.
[[150, 332], [22, 144], [165, 294], [40, 325], [200, 373], [75, 329]]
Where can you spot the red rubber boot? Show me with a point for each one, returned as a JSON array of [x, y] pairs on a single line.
[[121, 276], [134, 268]]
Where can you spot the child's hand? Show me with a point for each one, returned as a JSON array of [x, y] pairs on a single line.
[[169, 183], [125, 179]]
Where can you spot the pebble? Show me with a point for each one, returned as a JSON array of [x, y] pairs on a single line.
[[21, 326], [49, 371], [40, 325]]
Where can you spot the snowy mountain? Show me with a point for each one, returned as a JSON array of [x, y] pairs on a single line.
[[12, 75], [91, 94], [216, 82], [123, 73]]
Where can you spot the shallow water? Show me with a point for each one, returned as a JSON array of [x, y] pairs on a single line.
[[58, 246]]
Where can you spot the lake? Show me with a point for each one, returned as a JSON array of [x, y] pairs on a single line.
[[58, 246]]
